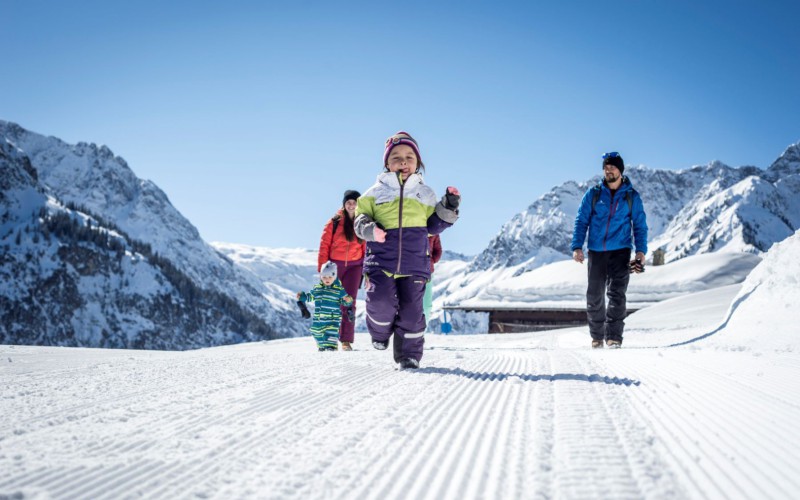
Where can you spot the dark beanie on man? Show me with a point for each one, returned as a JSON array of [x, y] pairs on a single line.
[[350, 194], [616, 161]]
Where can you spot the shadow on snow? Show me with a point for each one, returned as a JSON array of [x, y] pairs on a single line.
[[493, 376]]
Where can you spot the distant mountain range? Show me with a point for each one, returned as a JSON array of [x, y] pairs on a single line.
[[702, 209], [94, 256], [711, 208], [91, 255]]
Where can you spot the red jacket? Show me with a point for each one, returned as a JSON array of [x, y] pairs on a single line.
[[336, 246], [436, 249]]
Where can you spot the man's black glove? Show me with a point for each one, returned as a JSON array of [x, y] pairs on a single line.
[[452, 199], [351, 314], [303, 309], [637, 266]]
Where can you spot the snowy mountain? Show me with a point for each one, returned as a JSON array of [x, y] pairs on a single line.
[[702, 209], [47, 183], [149, 281], [284, 271], [712, 208]]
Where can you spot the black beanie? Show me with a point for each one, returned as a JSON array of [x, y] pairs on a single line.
[[350, 194], [616, 161]]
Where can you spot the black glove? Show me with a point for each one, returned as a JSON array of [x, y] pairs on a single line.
[[351, 314], [452, 199], [303, 309], [637, 266]]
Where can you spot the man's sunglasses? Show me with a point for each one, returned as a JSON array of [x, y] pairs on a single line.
[[612, 154]]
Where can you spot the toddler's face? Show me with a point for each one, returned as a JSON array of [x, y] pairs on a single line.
[[328, 280]]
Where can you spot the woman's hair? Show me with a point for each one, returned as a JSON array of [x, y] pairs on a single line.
[[347, 224]]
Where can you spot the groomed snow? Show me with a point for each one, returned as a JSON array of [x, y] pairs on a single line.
[[701, 402]]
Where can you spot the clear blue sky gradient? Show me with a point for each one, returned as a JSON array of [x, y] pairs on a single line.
[[254, 117]]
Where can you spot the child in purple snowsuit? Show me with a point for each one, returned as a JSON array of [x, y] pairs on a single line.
[[395, 217]]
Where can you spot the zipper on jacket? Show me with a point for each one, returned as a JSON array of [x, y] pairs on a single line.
[[400, 226], [347, 252], [608, 224]]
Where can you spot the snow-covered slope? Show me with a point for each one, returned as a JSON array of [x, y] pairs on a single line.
[[764, 313], [285, 270], [68, 277], [91, 180], [705, 209], [698, 210], [697, 404], [289, 270], [563, 283]]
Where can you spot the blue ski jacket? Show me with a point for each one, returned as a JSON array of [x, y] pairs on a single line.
[[609, 220]]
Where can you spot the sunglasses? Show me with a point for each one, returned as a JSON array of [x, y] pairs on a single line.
[[612, 154]]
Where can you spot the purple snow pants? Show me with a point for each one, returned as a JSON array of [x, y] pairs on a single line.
[[350, 276], [394, 305]]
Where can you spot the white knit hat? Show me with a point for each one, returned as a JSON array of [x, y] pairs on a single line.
[[328, 269]]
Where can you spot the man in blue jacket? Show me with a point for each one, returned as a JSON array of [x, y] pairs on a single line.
[[608, 211]]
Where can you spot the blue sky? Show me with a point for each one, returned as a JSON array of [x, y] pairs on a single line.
[[255, 117]]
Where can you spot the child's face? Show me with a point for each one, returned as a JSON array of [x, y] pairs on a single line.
[[328, 280], [402, 159]]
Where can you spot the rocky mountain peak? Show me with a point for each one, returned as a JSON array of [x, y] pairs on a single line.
[[135, 272]]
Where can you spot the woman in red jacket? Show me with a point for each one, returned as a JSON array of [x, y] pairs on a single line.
[[340, 245]]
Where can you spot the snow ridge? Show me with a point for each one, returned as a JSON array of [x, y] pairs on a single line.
[[704, 209], [751, 208], [98, 188]]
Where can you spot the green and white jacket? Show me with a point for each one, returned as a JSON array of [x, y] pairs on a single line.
[[408, 212]]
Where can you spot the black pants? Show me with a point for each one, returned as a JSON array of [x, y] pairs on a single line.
[[609, 273]]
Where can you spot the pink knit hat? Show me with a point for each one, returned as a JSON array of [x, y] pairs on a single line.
[[401, 138]]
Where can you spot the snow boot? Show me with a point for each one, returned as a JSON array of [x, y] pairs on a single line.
[[380, 345], [409, 364], [346, 346], [613, 344], [597, 344]]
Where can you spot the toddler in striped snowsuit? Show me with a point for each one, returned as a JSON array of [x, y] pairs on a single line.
[[328, 296]]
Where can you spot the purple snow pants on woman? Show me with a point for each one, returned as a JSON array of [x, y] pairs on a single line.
[[350, 276], [394, 305]]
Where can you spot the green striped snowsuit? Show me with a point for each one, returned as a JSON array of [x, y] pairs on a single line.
[[327, 314]]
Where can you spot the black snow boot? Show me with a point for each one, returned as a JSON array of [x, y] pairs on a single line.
[[409, 364]]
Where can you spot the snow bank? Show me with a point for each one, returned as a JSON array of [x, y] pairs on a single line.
[[764, 313], [563, 284]]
